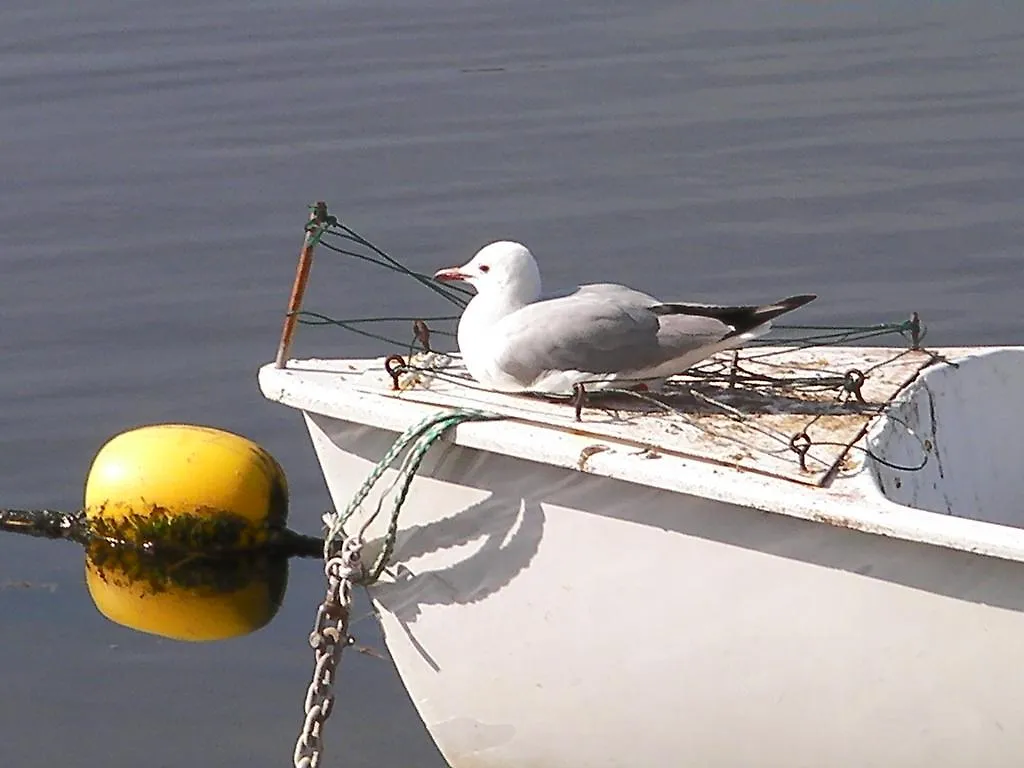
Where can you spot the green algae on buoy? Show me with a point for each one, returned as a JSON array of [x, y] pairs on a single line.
[[186, 597]]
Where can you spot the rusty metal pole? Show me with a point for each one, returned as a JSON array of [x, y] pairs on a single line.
[[318, 221]]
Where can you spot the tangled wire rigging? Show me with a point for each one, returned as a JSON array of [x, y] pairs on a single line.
[[722, 377]]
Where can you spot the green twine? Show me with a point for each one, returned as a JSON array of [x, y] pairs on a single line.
[[835, 334], [306, 317], [318, 230], [421, 436], [455, 294]]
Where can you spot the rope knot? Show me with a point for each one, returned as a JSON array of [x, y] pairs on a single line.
[[346, 565]]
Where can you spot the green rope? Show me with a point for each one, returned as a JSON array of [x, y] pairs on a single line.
[[306, 317], [886, 327], [421, 436], [455, 294], [836, 335], [804, 336], [840, 334]]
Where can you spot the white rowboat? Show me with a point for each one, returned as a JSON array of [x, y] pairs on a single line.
[[652, 587]]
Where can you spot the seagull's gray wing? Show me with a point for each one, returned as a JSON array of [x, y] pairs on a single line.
[[600, 329]]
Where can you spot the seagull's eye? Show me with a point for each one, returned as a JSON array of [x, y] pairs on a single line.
[[484, 268]]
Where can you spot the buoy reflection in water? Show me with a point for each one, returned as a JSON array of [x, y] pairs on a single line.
[[186, 596]]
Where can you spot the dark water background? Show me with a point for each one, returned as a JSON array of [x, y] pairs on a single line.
[[155, 164]]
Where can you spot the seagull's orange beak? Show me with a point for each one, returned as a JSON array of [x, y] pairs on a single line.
[[450, 275]]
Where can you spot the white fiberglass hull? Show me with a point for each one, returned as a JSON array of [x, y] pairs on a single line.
[[543, 616]]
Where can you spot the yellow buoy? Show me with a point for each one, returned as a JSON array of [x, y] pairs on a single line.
[[186, 598], [188, 482]]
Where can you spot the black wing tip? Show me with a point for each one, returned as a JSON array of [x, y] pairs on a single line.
[[724, 312], [795, 302]]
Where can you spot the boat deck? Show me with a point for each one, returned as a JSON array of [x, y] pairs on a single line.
[[763, 410]]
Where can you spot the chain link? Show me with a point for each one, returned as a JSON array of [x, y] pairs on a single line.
[[328, 639]]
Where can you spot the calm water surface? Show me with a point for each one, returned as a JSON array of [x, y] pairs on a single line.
[[156, 162]]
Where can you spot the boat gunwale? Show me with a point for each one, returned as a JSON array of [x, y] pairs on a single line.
[[302, 384]]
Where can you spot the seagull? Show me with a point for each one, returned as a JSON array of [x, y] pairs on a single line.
[[600, 336]]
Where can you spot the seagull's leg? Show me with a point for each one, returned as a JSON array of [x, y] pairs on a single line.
[[579, 398]]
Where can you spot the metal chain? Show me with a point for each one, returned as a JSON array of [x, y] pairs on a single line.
[[329, 638], [344, 569], [45, 523]]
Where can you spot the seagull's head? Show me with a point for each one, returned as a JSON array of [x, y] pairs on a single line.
[[503, 267]]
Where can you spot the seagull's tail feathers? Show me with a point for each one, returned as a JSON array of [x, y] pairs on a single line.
[[742, 319]]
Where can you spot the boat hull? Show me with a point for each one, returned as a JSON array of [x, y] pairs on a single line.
[[541, 616]]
